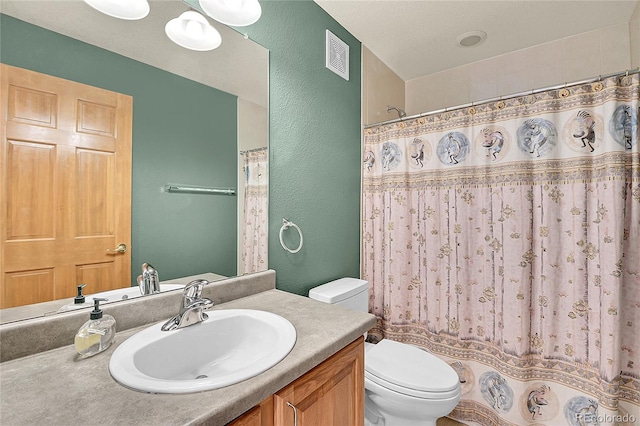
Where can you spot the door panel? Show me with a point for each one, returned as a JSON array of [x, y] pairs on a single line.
[[96, 119], [97, 273], [32, 107], [95, 174], [24, 288], [30, 184], [66, 187]]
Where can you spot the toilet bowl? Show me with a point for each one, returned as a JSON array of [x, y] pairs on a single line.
[[404, 385]]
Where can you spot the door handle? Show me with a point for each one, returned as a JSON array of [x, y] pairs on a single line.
[[295, 413], [122, 247]]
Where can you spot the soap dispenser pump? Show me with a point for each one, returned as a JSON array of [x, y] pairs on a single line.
[[79, 299], [97, 334]]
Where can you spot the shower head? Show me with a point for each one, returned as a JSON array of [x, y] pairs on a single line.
[[401, 112]]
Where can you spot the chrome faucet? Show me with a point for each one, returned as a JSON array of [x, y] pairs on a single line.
[[148, 282], [193, 307]]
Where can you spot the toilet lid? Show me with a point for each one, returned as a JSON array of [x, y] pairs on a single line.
[[411, 370]]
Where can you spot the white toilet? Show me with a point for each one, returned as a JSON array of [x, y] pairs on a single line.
[[404, 385]]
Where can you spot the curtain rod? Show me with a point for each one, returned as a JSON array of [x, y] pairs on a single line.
[[502, 98], [253, 150]]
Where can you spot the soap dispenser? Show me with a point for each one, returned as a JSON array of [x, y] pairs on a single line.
[[97, 334], [79, 299]]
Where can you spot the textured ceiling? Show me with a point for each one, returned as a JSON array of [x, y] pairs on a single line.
[[238, 66], [417, 38], [414, 37]]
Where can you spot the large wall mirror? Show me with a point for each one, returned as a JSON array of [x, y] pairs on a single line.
[[200, 120]]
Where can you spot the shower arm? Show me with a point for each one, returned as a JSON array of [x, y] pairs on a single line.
[[400, 112]]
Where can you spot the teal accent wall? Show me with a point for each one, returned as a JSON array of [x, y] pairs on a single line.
[[183, 132], [314, 144], [315, 134]]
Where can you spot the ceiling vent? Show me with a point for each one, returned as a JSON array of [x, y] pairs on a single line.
[[337, 57]]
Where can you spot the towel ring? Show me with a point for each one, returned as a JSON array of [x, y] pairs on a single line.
[[285, 225]]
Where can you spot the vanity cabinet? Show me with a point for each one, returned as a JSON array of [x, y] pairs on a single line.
[[330, 394], [262, 415]]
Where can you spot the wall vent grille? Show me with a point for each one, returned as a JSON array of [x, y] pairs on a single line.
[[337, 57]]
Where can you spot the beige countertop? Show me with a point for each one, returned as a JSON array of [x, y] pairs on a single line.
[[54, 388]]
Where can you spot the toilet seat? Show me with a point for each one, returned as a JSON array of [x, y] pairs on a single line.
[[410, 371]]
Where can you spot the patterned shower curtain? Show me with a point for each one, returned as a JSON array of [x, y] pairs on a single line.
[[505, 238], [254, 229]]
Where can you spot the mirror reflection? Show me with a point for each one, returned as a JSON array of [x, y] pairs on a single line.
[[199, 120]]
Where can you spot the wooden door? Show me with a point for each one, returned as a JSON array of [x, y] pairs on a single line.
[[330, 394], [65, 197]]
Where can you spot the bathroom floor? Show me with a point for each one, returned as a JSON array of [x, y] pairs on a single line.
[[445, 421]]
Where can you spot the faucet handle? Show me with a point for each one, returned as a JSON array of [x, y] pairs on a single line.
[[192, 292], [193, 307], [194, 314]]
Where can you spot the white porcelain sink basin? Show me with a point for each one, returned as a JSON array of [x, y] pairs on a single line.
[[230, 346]]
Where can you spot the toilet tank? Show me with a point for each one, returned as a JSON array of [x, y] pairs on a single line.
[[351, 293]]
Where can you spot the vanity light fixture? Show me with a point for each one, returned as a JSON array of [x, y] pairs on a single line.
[[123, 9], [235, 13], [192, 31]]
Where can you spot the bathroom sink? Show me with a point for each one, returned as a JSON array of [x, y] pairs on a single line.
[[115, 296], [230, 346]]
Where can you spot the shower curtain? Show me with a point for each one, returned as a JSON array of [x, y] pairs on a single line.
[[254, 232], [505, 238]]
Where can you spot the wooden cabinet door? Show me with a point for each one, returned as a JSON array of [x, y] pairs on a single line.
[[330, 394], [65, 197], [262, 415]]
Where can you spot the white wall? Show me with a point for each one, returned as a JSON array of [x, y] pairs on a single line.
[[380, 87], [634, 33], [569, 59]]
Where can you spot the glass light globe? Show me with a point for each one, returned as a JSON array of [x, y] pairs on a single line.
[[122, 9]]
